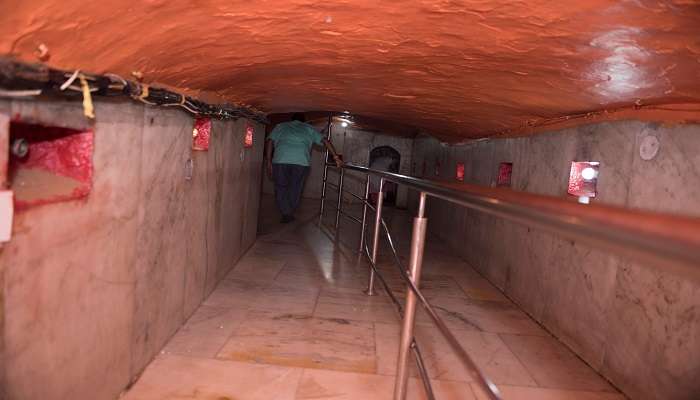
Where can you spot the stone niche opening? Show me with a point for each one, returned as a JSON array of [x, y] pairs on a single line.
[[49, 164]]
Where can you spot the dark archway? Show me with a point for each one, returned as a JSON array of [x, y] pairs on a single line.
[[385, 158]]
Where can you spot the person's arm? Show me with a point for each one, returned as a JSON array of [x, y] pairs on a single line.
[[336, 157], [269, 145]]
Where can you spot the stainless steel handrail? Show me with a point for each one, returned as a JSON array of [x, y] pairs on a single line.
[[660, 238], [407, 314], [669, 240]]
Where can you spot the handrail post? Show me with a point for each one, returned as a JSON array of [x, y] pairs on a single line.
[[416, 262], [375, 237], [325, 175], [364, 215], [340, 198]]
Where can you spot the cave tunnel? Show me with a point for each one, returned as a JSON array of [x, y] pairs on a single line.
[[190, 200]]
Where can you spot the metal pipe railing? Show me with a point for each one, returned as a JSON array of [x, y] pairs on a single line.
[[365, 202], [670, 240], [375, 237], [420, 224], [325, 172], [408, 342], [339, 207]]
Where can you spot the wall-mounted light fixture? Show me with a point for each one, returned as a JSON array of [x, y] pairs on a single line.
[[583, 180]]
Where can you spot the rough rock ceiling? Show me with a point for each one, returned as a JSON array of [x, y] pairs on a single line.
[[457, 69]]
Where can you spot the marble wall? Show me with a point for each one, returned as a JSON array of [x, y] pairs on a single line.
[[4, 156], [634, 323], [94, 288], [355, 145]]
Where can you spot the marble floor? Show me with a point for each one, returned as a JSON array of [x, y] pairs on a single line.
[[290, 321]]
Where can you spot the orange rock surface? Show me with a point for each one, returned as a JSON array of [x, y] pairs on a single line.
[[457, 69]]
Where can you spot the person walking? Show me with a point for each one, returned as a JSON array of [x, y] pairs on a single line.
[[291, 144]]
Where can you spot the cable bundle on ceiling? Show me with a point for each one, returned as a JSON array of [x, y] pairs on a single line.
[[18, 79]]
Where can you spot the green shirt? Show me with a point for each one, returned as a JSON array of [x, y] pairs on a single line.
[[293, 141]]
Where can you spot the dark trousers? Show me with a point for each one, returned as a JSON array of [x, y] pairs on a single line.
[[289, 183]]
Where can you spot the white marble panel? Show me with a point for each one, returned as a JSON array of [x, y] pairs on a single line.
[[161, 251], [69, 278], [652, 347]]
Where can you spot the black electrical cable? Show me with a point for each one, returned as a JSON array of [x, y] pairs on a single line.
[[22, 77]]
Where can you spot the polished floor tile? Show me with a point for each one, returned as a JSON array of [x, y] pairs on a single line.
[[553, 365], [332, 385], [487, 350], [485, 316], [320, 384], [478, 288], [290, 299], [354, 305], [206, 331], [291, 321], [256, 268], [303, 341], [175, 377], [235, 293]]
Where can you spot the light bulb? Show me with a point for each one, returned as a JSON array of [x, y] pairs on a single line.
[[344, 124], [588, 173]]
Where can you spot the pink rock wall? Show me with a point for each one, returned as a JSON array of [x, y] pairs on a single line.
[[94, 288]]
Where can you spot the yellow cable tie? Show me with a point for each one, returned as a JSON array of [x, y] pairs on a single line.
[[144, 92], [88, 108]]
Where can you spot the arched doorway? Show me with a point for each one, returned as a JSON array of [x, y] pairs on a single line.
[[385, 158]]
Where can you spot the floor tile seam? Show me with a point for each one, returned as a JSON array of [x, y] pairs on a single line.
[[284, 284], [298, 383], [416, 376], [371, 321], [348, 372], [232, 334], [279, 271], [187, 326], [573, 355], [360, 302], [522, 363], [161, 357], [313, 310], [290, 365], [190, 355], [576, 391]]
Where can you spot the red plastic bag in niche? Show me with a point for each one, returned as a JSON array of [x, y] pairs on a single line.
[[505, 170], [249, 131], [201, 133], [58, 165], [460, 171]]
